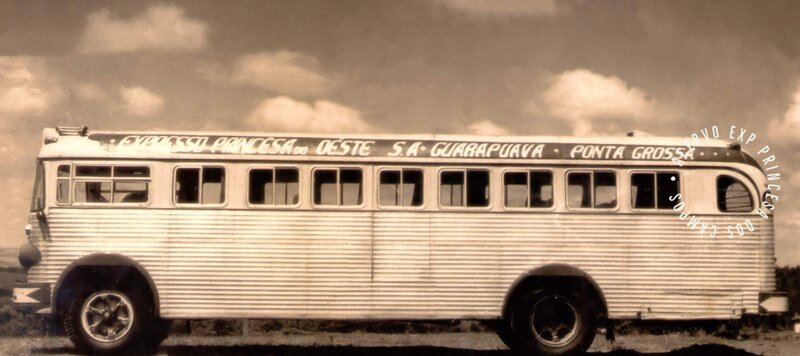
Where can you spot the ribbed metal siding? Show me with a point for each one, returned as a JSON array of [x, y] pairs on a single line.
[[362, 264]]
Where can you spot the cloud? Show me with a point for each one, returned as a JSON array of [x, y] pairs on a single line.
[[486, 127], [787, 129], [162, 27], [282, 72], [503, 7], [285, 114], [592, 103], [26, 87], [89, 92], [140, 101]]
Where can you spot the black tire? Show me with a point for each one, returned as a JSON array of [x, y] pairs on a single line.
[[133, 338], [160, 331], [565, 319], [504, 332]]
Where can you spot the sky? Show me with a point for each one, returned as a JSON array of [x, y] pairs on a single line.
[[497, 67]]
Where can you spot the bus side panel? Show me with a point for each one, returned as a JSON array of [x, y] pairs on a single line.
[[326, 264]]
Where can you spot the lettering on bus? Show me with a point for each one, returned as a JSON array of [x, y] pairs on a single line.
[[616, 152], [353, 147]]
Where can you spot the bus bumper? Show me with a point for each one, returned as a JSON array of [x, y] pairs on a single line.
[[773, 302], [32, 296]]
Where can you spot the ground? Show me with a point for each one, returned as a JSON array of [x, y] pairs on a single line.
[[360, 343]]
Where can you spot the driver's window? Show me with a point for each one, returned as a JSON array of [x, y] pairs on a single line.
[[37, 202]]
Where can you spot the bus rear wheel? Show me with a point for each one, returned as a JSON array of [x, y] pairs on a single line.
[[552, 321], [108, 320]]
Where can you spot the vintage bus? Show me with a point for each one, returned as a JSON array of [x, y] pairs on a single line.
[[552, 238]]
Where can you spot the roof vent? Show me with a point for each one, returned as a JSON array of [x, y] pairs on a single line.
[[735, 146], [72, 130]]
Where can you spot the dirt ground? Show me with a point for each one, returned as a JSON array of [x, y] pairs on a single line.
[[484, 344]]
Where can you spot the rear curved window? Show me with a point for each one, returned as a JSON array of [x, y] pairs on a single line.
[[733, 196]]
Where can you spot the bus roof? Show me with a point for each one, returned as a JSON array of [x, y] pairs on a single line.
[[80, 143]]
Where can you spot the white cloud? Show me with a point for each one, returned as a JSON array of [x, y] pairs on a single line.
[[787, 129], [140, 101], [161, 27], [503, 7], [89, 92], [285, 114], [592, 103], [26, 87], [486, 127], [282, 72]]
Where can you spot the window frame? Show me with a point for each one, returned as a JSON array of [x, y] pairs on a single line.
[[199, 204], [655, 208], [438, 183], [74, 179], [69, 180], [377, 190], [591, 171], [338, 187], [503, 172], [39, 187], [273, 206], [753, 202]]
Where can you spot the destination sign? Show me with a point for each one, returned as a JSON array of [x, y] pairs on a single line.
[[385, 148]]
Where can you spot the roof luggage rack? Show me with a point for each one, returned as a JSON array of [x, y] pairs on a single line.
[[72, 130]]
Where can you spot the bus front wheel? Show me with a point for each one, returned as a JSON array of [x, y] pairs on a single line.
[[107, 320], [552, 321]]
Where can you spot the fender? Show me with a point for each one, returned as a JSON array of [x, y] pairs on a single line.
[[555, 270], [109, 259]]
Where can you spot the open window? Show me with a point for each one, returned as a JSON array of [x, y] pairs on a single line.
[[733, 196], [278, 186], [464, 188], [103, 184], [595, 189], [200, 185], [400, 187], [653, 190], [338, 186], [528, 189]]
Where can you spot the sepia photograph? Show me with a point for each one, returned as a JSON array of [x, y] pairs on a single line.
[[412, 177]]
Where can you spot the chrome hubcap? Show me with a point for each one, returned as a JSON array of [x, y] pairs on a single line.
[[107, 316], [554, 321]]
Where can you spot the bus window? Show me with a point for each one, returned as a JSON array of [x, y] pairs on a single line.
[[468, 188], [130, 192], [667, 185], [533, 189], [451, 188], [92, 192], [733, 196], [515, 185], [213, 185], [401, 187], [93, 171], [103, 184], [93, 184], [273, 186], [579, 190], [592, 189], [37, 203], [63, 178], [605, 190], [189, 181], [338, 186], [653, 190], [350, 180]]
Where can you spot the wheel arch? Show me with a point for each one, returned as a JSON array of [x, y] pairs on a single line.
[[554, 271], [104, 260]]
